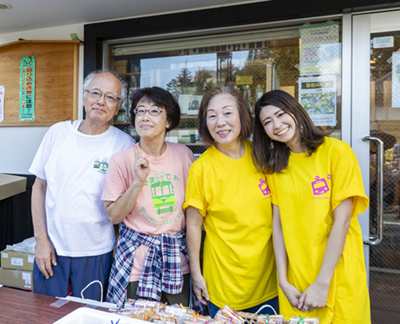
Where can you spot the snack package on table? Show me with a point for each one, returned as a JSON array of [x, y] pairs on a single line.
[[192, 319], [274, 319], [143, 303], [180, 310], [144, 314], [228, 315], [163, 317], [303, 320]]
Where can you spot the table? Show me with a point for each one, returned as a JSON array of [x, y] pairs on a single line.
[[20, 307]]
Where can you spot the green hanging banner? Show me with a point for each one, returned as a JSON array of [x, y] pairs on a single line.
[[27, 88]]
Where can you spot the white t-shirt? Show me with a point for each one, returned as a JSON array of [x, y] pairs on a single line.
[[75, 167]]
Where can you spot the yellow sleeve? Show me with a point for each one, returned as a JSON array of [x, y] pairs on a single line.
[[347, 180], [271, 186], [195, 191]]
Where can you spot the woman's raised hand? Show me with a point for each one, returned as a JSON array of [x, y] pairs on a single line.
[[141, 166]]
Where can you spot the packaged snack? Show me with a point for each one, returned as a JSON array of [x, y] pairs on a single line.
[[303, 320], [192, 319], [164, 317], [143, 303], [227, 314], [179, 310], [275, 319], [144, 314], [262, 319]]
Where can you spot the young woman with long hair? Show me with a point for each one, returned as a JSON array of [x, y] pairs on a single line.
[[317, 193]]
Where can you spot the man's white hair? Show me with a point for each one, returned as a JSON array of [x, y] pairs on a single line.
[[124, 84]]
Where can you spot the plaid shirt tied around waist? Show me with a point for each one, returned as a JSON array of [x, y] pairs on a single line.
[[162, 267]]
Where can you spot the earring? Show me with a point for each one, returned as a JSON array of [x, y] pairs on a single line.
[[271, 146]]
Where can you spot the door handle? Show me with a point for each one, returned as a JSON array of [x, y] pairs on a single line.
[[375, 240]]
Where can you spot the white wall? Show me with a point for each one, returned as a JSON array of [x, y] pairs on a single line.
[[18, 145]]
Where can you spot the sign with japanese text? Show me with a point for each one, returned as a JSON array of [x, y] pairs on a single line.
[[2, 89], [27, 88], [318, 97], [320, 49]]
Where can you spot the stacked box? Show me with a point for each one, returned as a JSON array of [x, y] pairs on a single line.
[[16, 278], [16, 269]]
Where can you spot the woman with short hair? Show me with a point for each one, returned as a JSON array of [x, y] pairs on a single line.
[[227, 195], [144, 193]]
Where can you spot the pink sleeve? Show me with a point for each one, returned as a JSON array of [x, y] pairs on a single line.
[[187, 160], [116, 180]]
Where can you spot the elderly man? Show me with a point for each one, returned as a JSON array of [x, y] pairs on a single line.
[[74, 237]]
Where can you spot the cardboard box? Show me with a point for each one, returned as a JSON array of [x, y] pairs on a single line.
[[11, 185], [17, 260], [16, 279]]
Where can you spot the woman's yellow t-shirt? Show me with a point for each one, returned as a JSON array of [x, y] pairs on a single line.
[[307, 192], [238, 262]]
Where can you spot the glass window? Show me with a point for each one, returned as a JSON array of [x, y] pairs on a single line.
[[304, 60]]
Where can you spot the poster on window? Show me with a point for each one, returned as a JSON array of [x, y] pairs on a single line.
[[189, 104], [396, 80], [2, 90], [27, 88], [320, 49], [318, 97]]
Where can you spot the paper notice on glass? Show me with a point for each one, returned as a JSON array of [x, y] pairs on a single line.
[[396, 80], [2, 90], [318, 96], [320, 49]]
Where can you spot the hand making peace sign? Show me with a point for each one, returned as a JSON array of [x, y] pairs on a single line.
[[142, 165]]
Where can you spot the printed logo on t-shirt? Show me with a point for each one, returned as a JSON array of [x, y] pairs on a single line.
[[102, 166], [319, 186], [162, 193], [264, 187]]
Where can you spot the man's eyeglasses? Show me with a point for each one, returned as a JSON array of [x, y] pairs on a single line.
[[151, 111], [96, 94]]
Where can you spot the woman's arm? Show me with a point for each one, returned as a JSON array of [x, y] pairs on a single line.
[[117, 210], [291, 293], [316, 294], [194, 225]]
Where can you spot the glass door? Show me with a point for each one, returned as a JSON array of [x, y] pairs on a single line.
[[378, 37]]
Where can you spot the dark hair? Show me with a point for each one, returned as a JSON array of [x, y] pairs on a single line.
[[241, 104], [161, 98], [270, 160]]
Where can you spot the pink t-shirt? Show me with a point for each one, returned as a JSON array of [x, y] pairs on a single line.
[[158, 208]]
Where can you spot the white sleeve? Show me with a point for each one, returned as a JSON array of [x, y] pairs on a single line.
[[42, 155]]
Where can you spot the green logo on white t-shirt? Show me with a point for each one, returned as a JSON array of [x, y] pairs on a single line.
[[101, 166]]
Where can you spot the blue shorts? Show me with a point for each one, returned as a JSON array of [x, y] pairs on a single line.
[[272, 302], [77, 271]]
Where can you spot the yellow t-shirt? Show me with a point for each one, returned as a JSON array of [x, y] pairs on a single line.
[[307, 192], [238, 262]]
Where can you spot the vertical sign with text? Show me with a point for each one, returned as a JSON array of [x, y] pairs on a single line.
[[320, 49], [2, 90], [27, 88]]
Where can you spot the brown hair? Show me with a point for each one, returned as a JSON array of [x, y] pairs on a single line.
[[268, 159], [241, 104], [161, 98]]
